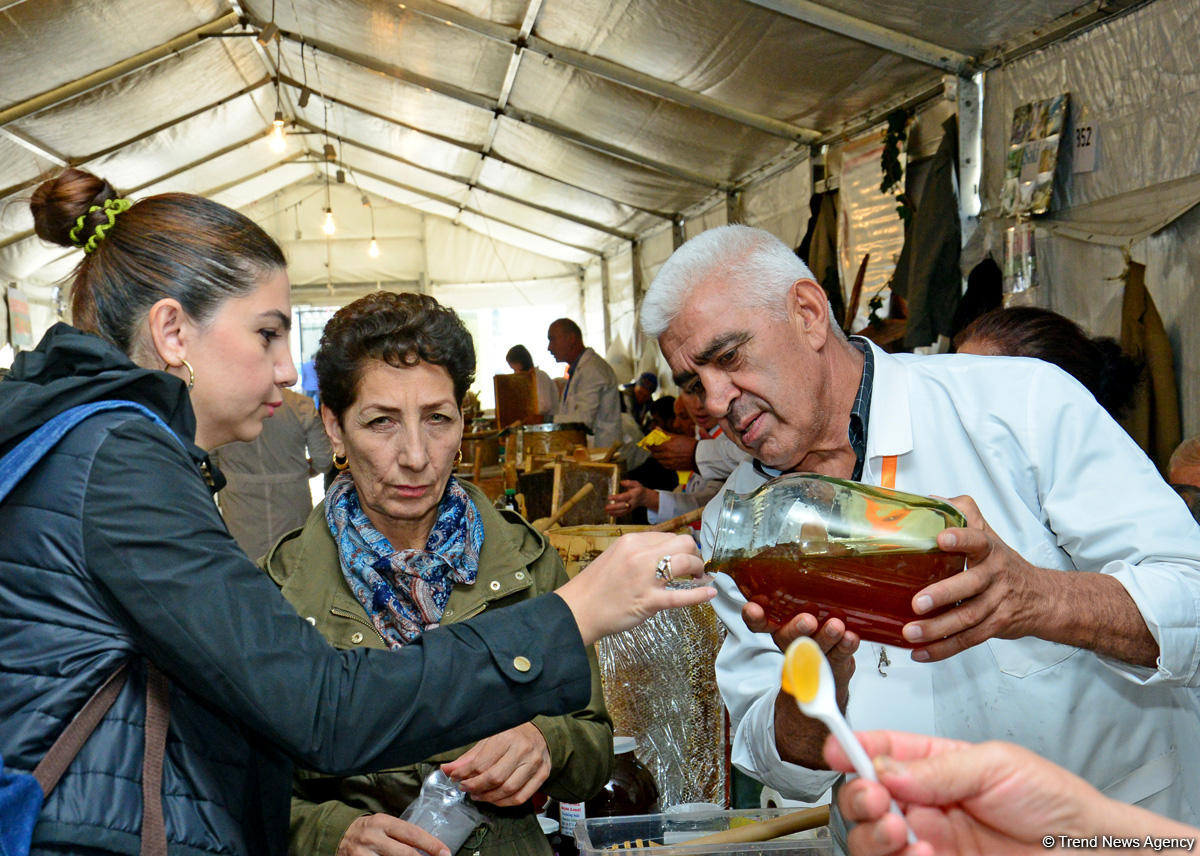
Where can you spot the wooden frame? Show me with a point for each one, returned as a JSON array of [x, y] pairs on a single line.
[[570, 476]]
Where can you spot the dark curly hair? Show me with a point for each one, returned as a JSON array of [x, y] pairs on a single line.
[[1098, 362], [401, 329]]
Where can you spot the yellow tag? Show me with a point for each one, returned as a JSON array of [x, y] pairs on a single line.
[[655, 438], [802, 670]]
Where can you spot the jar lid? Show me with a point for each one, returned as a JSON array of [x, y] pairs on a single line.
[[623, 744], [548, 824]]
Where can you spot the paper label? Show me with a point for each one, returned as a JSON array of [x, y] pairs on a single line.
[[1087, 142], [569, 814]]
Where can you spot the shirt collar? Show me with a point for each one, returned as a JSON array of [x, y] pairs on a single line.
[[860, 413]]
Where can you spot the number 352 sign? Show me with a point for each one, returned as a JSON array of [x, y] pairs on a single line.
[[1087, 145]]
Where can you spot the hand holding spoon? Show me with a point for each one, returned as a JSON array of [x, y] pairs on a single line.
[[808, 679]]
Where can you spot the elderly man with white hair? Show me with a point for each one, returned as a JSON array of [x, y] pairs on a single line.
[[1073, 630]]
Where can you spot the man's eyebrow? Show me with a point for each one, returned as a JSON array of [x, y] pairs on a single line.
[[719, 345]]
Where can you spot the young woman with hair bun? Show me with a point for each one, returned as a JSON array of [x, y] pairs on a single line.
[[113, 552]]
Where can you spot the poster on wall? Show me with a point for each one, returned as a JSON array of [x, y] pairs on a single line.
[[1033, 156], [20, 327], [868, 222]]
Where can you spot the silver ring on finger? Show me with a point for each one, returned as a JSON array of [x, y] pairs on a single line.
[[663, 569]]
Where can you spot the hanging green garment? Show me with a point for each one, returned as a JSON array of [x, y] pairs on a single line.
[[1153, 419]]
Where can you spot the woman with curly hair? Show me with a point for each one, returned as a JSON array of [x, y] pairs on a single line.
[[400, 546]]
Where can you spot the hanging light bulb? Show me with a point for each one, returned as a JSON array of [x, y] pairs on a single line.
[[276, 137], [329, 227], [373, 248]]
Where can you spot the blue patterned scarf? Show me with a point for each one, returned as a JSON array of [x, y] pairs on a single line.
[[404, 592]]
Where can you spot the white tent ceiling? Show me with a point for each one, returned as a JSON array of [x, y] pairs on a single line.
[[494, 140]]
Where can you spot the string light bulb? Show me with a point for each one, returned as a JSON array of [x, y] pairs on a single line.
[[373, 248], [329, 226], [277, 142]]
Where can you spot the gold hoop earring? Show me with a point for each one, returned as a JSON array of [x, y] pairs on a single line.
[[191, 374], [458, 458], [340, 465]]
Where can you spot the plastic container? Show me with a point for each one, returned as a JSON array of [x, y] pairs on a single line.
[[669, 834], [630, 789], [444, 811], [834, 548]]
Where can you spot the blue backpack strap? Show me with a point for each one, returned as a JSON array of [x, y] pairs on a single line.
[[22, 458]]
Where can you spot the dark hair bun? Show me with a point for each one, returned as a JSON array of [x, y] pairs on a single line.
[[59, 202]]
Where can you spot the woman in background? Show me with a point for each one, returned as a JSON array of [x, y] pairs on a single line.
[[1029, 331], [519, 360]]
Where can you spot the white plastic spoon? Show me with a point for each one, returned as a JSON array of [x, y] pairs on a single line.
[[808, 679]]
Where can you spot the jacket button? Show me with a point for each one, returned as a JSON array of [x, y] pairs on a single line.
[[356, 638], [522, 664], [519, 575], [311, 620], [495, 585]]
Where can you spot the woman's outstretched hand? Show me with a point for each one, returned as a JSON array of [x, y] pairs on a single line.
[[621, 588]]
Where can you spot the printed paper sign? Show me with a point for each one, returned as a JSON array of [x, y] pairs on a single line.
[[1087, 143]]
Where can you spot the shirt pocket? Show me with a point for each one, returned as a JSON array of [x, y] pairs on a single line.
[[1144, 782], [1020, 658]]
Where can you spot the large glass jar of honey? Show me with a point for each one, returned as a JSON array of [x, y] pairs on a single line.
[[834, 548]]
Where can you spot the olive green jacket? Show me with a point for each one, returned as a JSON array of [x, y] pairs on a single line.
[[515, 564]]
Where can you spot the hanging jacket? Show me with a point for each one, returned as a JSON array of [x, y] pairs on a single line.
[[111, 550], [1153, 418], [927, 273], [515, 565]]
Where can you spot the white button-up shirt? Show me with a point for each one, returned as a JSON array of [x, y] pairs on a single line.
[[1062, 484]]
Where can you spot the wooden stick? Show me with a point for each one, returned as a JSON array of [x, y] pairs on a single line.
[[612, 450], [856, 293], [544, 523], [765, 830], [678, 522]]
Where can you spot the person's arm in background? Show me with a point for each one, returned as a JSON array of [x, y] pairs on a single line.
[[990, 799], [582, 401], [320, 453]]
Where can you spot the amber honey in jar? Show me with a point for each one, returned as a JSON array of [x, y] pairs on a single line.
[[871, 593], [835, 549]]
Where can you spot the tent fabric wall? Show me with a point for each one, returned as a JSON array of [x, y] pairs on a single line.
[[1138, 79], [777, 203]]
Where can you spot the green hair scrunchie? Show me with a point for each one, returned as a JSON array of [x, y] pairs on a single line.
[[111, 208]]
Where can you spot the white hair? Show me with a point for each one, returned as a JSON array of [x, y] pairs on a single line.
[[758, 266]]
